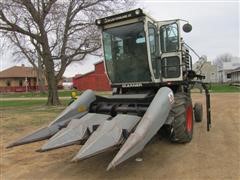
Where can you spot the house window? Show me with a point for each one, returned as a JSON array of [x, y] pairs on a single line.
[[8, 83], [21, 83]]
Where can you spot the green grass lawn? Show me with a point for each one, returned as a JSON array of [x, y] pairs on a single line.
[[29, 103], [214, 88], [61, 93], [36, 98]]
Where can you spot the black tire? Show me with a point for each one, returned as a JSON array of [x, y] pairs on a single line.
[[182, 112], [198, 112]]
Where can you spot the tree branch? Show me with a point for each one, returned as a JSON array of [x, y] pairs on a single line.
[[14, 27]]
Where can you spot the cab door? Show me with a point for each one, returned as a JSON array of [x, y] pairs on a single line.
[[151, 30], [170, 51]]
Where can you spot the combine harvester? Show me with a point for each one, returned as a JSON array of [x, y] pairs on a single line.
[[150, 71]]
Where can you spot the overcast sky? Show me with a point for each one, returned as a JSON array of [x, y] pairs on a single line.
[[215, 23], [215, 28]]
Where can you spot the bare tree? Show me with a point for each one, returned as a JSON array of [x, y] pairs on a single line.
[[200, 63], [22, 50], [226, 57], [58, 31]]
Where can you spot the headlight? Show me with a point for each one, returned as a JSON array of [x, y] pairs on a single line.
[[98, 21], [137, 12]]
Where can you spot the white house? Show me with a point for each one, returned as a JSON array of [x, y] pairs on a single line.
[[227, 68], [235, 76], [207, 69]]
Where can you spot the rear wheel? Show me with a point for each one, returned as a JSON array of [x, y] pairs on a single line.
[[182, 126]]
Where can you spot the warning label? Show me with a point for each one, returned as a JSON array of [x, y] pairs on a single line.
[[171, 97]]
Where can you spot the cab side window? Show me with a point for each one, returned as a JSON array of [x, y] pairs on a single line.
[[169, 37]]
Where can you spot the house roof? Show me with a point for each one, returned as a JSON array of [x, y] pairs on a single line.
[[234, 70], [235, 63], [18, 71]]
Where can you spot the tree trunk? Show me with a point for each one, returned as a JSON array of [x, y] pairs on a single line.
[[41, 84], [40, 77], [53, 98], [41, 80]]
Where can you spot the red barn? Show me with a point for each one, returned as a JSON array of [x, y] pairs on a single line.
[[96, 80]]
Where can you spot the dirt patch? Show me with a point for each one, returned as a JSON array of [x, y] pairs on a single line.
[[210, 155]]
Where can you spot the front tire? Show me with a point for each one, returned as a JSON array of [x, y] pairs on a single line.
[[182, 126]]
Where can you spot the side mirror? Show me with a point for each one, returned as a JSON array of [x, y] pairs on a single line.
[[187, 28]]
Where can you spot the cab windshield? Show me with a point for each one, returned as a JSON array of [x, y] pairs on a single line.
[[125, 53]]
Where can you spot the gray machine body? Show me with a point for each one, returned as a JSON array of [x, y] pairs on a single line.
[[101, 132], [151, 122], [71, 112]]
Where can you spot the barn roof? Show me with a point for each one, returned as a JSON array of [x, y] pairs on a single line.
[[90, 72]]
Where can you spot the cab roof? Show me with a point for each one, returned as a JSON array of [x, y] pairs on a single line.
[[120, 17]]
